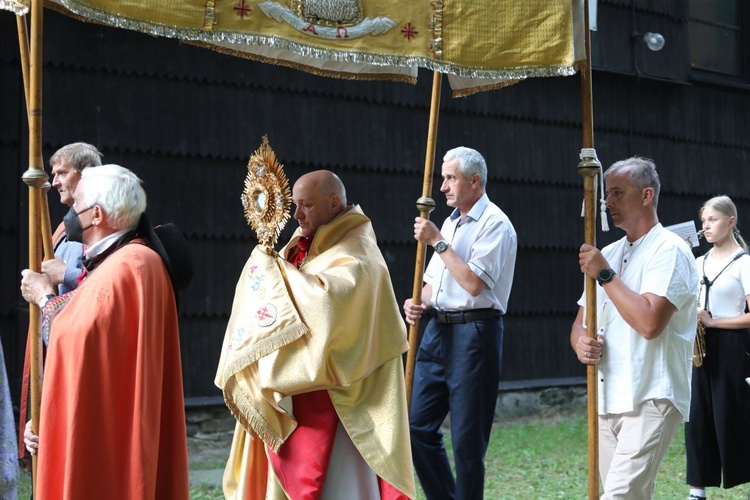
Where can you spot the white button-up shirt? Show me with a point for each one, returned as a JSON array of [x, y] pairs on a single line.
[[486, 240], [632, 369]]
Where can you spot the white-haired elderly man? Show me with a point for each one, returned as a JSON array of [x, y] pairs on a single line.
[[112, 418]]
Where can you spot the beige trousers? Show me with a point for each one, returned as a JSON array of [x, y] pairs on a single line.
[[631, 447]]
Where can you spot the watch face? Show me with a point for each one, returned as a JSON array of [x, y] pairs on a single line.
[[441, 246], [605, 275]]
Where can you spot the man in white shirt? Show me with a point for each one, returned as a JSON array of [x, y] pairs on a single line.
[[646, 327], [468, 282]]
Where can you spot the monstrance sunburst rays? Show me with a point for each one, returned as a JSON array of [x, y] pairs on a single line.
[[266, 198]]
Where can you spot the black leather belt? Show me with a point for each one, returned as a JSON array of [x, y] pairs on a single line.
[[466, 316]]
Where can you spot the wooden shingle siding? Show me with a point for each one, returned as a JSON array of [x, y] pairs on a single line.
[[186, 119]]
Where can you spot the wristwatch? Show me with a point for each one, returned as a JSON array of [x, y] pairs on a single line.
[[605, 276], [43, 301], [441, 246]]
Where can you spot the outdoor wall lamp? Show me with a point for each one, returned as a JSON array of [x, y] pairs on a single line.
[[654, 41]]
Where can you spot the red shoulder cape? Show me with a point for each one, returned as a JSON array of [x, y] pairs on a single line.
[[112, 419]]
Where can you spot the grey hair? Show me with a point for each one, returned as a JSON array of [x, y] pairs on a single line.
[[79, 155], [118, 191], [470, 162], [724, 205], [641, 173]]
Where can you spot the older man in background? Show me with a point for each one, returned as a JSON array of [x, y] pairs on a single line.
[[67, 163]]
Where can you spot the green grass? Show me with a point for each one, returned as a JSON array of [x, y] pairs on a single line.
[[538, 458], [205, 492], [547, 458]]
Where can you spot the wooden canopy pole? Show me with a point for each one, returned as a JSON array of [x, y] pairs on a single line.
[[588, 169], [35, 177], [23, 47], [425, 205]]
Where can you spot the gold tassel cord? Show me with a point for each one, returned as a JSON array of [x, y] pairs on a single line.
[[699, 347]]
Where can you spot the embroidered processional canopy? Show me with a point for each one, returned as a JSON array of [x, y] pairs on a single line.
[[481, 44], [18, 7]]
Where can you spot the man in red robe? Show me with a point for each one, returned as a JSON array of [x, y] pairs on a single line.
[[112, 418]]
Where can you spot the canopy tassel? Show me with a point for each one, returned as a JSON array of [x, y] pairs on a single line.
[[589, 160]]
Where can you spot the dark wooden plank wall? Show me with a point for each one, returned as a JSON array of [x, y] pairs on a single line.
[[186, 119]]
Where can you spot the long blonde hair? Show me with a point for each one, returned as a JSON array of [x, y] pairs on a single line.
[[726, 207]]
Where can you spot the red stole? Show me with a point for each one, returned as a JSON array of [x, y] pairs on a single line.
[[300, 252]]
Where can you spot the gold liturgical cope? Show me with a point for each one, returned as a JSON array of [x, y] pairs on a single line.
[[332, 324]]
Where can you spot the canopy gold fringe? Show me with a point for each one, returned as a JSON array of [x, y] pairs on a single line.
[[18, 7]]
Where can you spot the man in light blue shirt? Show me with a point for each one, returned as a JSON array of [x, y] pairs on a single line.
[[67, 164], [468, 282]]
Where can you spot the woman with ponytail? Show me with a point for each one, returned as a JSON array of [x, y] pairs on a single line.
[[717, 436]]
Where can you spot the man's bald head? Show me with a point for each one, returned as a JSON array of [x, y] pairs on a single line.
[[319, 197], [324, 182]]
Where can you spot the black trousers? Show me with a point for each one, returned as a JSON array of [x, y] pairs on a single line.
[[717, 437], [457, 371]]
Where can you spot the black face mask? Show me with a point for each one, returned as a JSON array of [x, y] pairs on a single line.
[[73, 227]]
